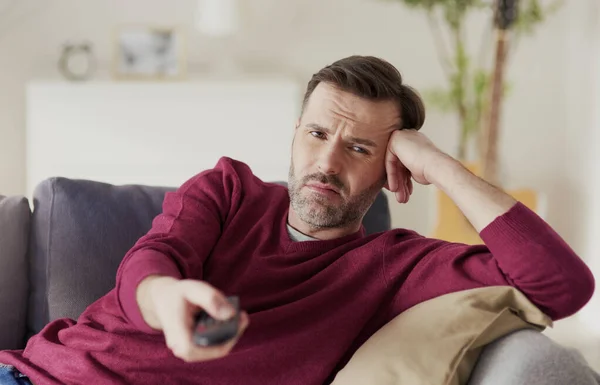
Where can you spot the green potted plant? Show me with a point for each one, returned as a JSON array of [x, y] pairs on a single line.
[[469, 75], [475, 88]]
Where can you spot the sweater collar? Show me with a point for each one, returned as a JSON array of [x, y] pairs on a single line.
[[315, 245]]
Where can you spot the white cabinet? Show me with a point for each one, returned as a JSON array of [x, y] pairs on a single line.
[[158, 133]]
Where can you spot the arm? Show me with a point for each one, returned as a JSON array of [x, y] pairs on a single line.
[[479, 201], [520, 250], [180, 240], [144, 299]]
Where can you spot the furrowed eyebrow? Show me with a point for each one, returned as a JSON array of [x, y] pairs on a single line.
[[364, 142]]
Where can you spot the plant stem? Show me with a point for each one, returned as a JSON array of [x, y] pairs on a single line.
[[441, 47], [459, 91]]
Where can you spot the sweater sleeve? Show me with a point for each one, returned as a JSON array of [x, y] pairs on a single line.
[[521, 250], [181, 237]]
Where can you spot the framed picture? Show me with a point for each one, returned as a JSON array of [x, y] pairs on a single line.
[[144, 52]]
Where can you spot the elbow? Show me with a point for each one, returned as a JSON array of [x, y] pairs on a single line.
[[578, 292], [585, 286]]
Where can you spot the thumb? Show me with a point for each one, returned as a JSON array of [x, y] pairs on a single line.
[[208, 298]]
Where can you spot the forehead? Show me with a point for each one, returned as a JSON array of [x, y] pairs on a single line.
[[329, 102]]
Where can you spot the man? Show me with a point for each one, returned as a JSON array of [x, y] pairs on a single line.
[[313, 287]]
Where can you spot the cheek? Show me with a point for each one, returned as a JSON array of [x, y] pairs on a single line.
[[301, 154], [363, 178], [378, 170]]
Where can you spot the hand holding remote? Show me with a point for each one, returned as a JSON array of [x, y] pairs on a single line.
[[174, 306], [209, 331]]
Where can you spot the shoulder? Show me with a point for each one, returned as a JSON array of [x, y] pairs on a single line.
[[226, 172], [406, 240], [236, 180], [225, 187], [248, 181], [402, 235]]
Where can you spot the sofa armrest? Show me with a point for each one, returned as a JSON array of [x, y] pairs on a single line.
[[528, 357], [15, 218]]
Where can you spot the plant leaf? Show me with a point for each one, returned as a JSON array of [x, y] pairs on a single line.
[[440, 99]]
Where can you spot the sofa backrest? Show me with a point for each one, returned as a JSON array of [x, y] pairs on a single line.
[[81, 230], [15, 217]]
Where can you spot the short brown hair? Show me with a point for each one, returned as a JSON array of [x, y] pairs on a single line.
[[373, 79]]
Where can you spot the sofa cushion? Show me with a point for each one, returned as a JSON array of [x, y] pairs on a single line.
[[15, 217], [81, 230], [439, 341]]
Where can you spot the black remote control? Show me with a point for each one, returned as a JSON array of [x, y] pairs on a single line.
[[209, 331]]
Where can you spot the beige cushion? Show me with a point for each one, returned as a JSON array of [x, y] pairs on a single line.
[[439, 341]]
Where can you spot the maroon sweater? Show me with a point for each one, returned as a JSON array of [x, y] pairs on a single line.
[[311, 304]]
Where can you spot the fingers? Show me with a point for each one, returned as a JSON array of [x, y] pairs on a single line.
[[195, 353], [399, 179], [177, 317], [391, 169], [177, 328], [404, 184], [405, 177], [208, 298]]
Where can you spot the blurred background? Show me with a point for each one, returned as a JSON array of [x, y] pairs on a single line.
[[153, 91]]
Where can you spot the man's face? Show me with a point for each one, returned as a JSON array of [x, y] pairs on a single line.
[[338, 156]]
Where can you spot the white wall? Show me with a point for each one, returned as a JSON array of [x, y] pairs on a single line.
[[544, 131], [582, 140]]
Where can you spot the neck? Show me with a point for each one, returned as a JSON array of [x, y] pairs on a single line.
[[322, 233]]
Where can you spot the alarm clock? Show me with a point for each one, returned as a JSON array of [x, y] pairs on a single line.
[[77, 61]]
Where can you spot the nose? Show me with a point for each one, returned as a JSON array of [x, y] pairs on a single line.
[[330, 161]]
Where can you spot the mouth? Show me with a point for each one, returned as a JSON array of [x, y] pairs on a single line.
[[323, 188]]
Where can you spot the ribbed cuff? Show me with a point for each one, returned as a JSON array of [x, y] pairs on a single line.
[[539, 262], [511, 230], [141, 265]]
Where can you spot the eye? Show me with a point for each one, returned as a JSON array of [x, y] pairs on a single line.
[[359, 150], [318, 134]]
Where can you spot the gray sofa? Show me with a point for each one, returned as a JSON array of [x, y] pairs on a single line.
[[56, 261], [63, 255]]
